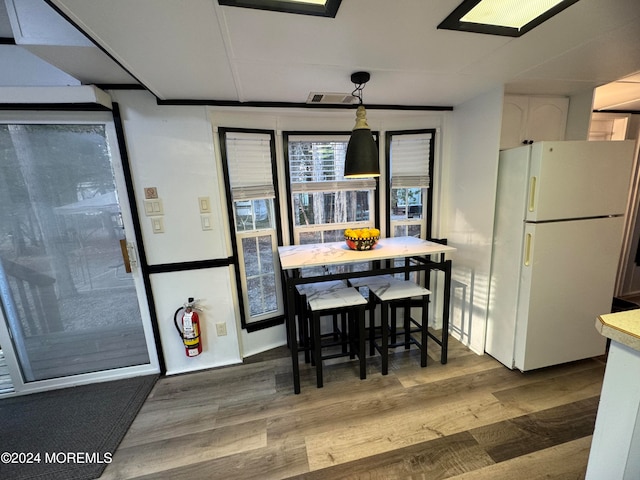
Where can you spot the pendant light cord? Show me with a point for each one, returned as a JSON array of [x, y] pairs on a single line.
[[357, 92]]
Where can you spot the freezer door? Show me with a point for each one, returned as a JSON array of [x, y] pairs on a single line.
[[578, 179], [567, 280]]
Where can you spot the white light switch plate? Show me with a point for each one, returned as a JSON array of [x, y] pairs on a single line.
[[205, 204], [153, 207]]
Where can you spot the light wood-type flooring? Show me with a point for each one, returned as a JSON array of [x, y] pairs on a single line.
[[469, 419]]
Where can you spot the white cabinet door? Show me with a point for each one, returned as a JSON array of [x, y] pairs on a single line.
[[547, 118], [514, 121], [532, 119]]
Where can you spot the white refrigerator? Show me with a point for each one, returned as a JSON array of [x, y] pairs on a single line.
[[559, 222]]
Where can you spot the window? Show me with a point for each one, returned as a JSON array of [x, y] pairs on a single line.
[[322, 202], [410, 162], [409, 194], [248, 161]]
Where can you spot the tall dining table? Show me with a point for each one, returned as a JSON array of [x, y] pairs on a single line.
[[418, 255]]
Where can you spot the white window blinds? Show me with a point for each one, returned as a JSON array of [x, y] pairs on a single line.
[[249, 161], [316, 164], [410, 160]]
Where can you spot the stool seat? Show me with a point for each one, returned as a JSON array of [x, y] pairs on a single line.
[[346, 299], [388, 293], [304, 290], [335, 298], [310, 288], [397, 289]]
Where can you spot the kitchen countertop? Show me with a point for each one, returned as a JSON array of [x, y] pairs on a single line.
[[623, 327]]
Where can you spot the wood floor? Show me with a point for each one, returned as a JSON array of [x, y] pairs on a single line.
[[470, 419]]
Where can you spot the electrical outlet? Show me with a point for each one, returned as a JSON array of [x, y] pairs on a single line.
[[221, 329], [205, 220], [157, 225]]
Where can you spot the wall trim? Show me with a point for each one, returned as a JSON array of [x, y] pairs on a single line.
[[233, 103], [185, 266]]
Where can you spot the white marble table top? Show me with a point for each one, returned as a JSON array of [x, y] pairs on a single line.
[[333, 253], [623, 327]]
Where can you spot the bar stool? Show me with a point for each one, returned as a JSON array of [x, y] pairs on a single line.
[[349, 301], [365, 282], [304, 290], [388, 293]]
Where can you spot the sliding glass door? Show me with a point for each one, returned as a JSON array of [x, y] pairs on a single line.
[[73, 305]]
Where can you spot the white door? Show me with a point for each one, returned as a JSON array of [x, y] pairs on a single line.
[[567, 280], [74, 309]]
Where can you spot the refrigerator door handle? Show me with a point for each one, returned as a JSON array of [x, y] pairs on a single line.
[[532, 193], [527, 250]]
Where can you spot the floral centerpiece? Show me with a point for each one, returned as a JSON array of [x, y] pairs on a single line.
[[361, 238]]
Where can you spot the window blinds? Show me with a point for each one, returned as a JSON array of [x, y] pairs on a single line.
[[249, 161], [410, 160], [316, 164]]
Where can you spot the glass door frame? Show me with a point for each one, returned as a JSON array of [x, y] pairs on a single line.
[[106, 119]]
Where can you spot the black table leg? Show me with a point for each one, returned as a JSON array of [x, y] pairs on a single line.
[[445, 311], [292, 335]]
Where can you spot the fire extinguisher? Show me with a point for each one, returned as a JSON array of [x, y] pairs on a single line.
[[190, 331]]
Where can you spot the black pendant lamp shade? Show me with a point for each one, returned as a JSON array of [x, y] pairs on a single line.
[[362, 152]]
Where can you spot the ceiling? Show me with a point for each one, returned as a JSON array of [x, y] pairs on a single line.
[[199, 50]]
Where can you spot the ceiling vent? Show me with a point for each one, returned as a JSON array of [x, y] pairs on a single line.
[[331, 98]]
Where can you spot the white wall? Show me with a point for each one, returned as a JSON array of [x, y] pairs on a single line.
[[579, 116], [214, 287], [473, 170], [171, 148]]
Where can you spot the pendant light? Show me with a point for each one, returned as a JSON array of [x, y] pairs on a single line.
[[362, 153]]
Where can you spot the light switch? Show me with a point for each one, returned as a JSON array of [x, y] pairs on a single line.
[[157, 225], [153, 207], [206, 222], [205, 204]]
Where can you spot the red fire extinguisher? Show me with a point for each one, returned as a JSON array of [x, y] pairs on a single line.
[[190, 331]]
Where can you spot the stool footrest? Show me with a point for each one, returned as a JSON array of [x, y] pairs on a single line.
[[434, 338]]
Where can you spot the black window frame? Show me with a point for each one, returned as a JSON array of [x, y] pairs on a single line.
[[285, 148], [235, 259], [429, 195]]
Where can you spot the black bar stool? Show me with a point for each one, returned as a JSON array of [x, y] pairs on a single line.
[[387, 294]]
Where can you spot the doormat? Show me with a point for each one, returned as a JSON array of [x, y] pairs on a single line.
[[68, 434]]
